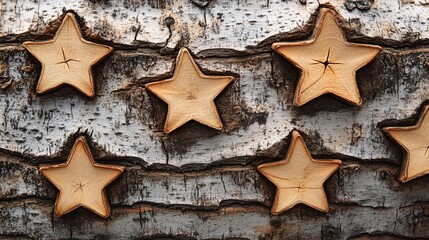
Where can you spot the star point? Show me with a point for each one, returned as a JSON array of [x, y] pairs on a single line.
[[414, 140], [328, 62], [67, 58], [299, 178], [81, 181], [190, 94]]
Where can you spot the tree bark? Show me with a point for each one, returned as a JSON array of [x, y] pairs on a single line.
[[199, 183]]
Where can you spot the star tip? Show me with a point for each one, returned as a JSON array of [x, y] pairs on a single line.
[[42, 169], [275, 45], [105, 215], [184, 50], [148, 85], [110, 48], [69, 14], [81, 139], [295, 133], [168, 130], [87, 93], [218, 127], [404, 179], [385, 129], [324, 210], [276, 213], [40, 91], [297, 102], [261, 167], [58, 214], [357, 103], [325, 11], [388, 130]]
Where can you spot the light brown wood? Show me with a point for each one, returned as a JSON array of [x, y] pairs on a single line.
[[328, 62], [414, 140], [81, 181], [190, 94], [67, 59], [299, 178]]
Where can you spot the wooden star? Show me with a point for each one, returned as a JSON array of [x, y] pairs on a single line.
[[299, 178], [67, 59], [415, 141], [81, 181], [190, 94], [328, 62]]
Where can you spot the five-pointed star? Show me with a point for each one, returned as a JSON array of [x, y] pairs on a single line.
[[67, 59], [299, 178], [415, 141], [190, 94], [81, 181], [328, 62]]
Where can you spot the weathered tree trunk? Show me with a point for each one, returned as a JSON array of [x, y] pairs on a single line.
[[197, 182]]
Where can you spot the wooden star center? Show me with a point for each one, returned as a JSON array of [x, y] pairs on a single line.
[[67, 59], [81, 181], [328, 62], [299, 178], [190, 94], [327, 65]]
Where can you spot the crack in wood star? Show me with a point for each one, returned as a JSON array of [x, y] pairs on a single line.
[[427, 148], [190, 95], [80, 185], [326, 65], [66, 61]]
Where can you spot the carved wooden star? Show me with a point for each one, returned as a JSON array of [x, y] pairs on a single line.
[[81, 181], [299, 178], [67, 59], [190, 94], [415, 141], [328, 62]]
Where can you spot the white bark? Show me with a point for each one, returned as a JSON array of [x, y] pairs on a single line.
[[197, 182]]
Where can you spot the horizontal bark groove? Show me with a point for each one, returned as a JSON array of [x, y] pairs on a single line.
[[247, 222], [223, 185]]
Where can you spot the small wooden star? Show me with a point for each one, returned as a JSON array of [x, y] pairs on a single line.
[[415, 141], [328, 62], [190, 94], [81, 181], [299, 178], [67, 59]]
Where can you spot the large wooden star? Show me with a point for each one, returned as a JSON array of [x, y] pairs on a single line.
[[328, 62], [67, 59], [190, 94], [299, 178], [81, 181], [415, 141]]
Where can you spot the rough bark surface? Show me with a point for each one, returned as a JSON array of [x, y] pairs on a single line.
[[199, 183]]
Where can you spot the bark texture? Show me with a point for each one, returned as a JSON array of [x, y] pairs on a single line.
[[199, 183]]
